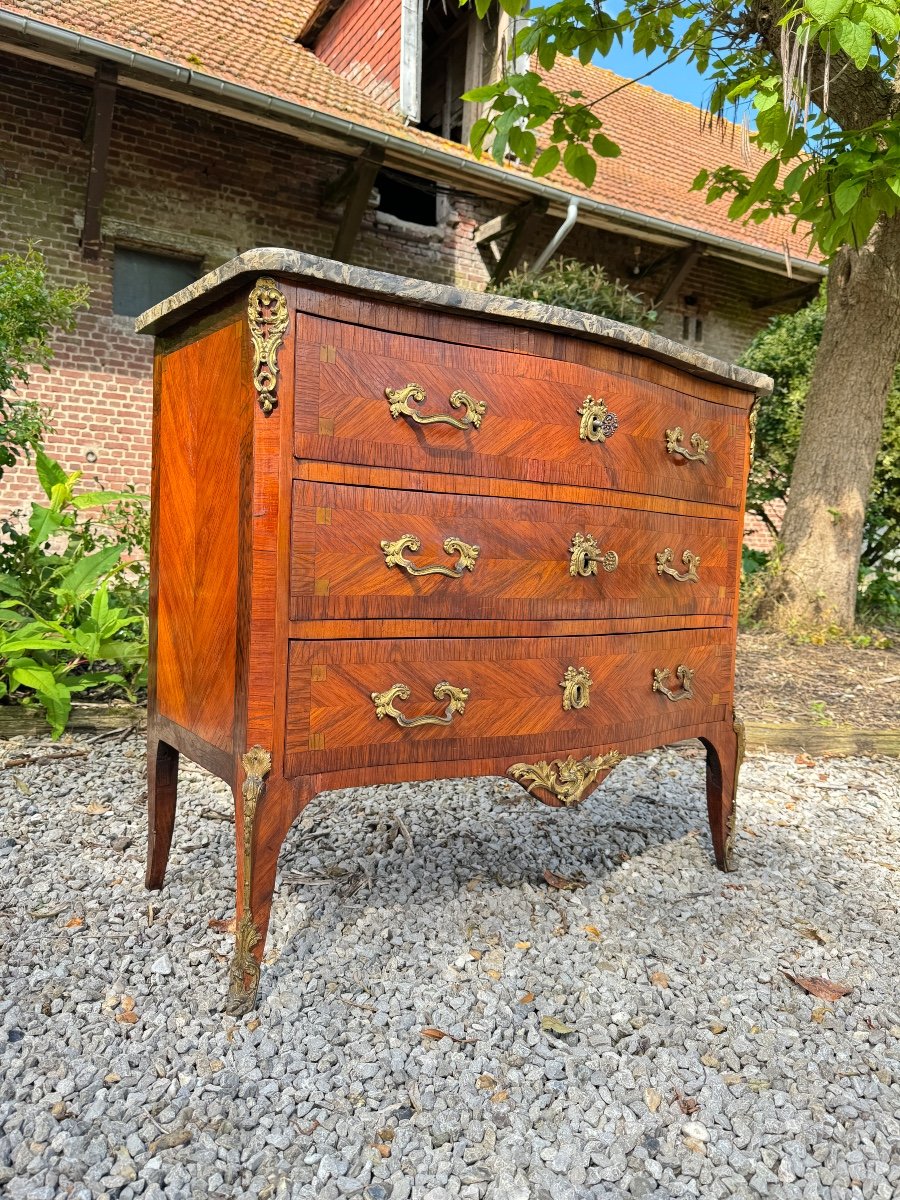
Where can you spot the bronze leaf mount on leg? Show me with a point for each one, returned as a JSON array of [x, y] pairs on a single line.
[[244, 971]]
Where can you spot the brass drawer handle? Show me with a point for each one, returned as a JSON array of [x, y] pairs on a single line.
[[400, 399], [393, 556], [691, 561], [384, 704], [685, 676], [576, 686], [585, 554], [597, 422], [566, 780], [674, 446]]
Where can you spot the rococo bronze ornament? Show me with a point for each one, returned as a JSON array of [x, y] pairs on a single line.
[[401, 399], [267, 315], [691, 561], [685, 678], [731, 823], [257, 763], [585, 554], [393, 556], [673, 445], [566, 780], [384, 704], [597, 422], [576, 685]]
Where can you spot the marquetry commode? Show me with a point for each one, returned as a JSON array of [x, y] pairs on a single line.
[[405, 532]]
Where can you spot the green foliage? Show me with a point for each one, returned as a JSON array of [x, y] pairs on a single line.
[[568, 283], [818, 76], [786, 350], [73, 613], [29, 312]]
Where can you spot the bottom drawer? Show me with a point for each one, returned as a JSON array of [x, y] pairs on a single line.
[[351, 703]]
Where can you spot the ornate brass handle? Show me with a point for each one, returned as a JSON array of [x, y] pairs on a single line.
[[566, 780], [685, 675], [401, 398], [691, 561], [393, 556], [597, 422], [585, 554], [456, 703], [674, 446]]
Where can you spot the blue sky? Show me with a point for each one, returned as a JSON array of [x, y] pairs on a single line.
[[675, 79]]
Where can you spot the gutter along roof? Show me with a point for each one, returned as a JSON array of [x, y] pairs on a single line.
[[216, 54]]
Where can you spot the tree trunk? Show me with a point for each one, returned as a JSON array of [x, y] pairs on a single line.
[[841, 433]]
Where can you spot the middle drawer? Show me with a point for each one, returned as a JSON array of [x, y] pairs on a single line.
[[365, 552]]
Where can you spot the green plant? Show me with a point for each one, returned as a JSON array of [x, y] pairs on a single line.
[[29, 312], [879, 596], [74, 611], [568, 283], [819, 710], [786, 350], [816, 84]]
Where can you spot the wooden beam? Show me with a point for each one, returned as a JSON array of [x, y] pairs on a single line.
[[806, 292], [359, 189], [684, 264], [100, 134], [527, 215], [822, 739]]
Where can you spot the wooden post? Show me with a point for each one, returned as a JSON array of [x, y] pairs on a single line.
[[100, 134]]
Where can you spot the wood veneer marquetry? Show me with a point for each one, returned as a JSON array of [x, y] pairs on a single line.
[[523, 566], [274, 616], [531, 427]]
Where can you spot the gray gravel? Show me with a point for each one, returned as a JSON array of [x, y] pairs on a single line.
[[695, 1067]]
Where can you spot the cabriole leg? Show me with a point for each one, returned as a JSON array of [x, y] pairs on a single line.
[[269, 807], [724, 755], [162, 789]]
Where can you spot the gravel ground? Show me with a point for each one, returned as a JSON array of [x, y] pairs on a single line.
[[693, 1065]]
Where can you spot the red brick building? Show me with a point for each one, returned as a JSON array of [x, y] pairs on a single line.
[[144, 144]]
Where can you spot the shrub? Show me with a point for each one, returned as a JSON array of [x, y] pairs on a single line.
[[73, 614], [786, 350], [29, 312], [568, 283]]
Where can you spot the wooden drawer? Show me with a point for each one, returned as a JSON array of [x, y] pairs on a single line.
[[523, 569], [516, 694], [530, 428]]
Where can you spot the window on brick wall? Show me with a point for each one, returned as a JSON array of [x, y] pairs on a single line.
[[142, 279], [407, 197]]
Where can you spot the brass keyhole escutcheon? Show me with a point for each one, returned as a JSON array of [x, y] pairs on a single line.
[[597, 422], [585, 554], [576, 685]]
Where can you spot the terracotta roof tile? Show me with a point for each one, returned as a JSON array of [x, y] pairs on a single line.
[[664, 141]]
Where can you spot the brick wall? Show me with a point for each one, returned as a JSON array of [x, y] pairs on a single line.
[[189, 182], [175, 183], [362, 43]]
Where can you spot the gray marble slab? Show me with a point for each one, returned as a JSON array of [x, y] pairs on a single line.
[[270, 260]]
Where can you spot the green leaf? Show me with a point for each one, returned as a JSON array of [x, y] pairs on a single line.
[[49, 472], [824, 11], [43, 523], [83, 576], [855, 40], [95, 499], [604, 147], [847, 194], [547, 161], [57, 704], [39, 679], [579, 163]]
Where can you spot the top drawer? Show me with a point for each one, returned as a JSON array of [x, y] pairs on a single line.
[[528, 417]]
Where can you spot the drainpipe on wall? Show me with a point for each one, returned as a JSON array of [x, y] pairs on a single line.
[[557, 240]]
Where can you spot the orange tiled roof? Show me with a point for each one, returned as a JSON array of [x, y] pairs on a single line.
[[664, 143]]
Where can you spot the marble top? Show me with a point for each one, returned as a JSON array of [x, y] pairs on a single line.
[[309, 267]]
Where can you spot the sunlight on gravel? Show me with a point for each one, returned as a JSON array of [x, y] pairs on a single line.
[[694, 1065]]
